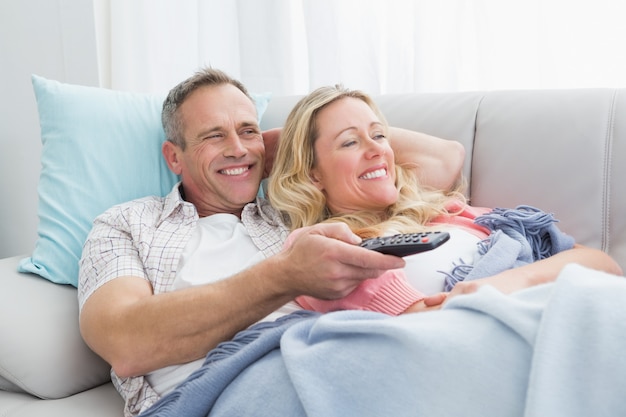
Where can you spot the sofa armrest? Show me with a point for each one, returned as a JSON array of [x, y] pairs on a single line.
[[42, 352]]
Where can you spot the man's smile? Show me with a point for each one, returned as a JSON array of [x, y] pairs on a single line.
[[235, 171]]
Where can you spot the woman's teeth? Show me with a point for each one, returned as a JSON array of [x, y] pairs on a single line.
[[374, 174]]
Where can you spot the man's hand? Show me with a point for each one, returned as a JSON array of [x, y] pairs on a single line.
[[325, 261], [270, 138]]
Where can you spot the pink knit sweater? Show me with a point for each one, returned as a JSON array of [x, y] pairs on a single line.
[[390, 293]]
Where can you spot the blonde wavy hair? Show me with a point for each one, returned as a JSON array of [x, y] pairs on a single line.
[[291, 191]]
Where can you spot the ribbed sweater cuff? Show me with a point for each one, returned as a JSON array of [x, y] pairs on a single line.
[[396, 296]]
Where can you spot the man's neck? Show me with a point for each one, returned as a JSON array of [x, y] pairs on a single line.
[[205, 211]]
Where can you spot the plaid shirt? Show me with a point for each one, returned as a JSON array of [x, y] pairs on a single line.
[[145, 238]]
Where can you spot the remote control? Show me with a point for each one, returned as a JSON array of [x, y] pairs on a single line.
[[406, 243]]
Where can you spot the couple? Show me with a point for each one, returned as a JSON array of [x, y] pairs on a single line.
[[165, 280]]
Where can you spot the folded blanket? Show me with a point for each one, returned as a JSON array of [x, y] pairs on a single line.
[[551, 350], [518, 237]]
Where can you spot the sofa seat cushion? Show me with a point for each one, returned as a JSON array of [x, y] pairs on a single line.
[[102, 401], [42, 352]]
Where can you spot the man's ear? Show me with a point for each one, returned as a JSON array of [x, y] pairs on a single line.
[[170, 153]]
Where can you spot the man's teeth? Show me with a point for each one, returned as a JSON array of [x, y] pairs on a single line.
[[374, 174], [234, 171]]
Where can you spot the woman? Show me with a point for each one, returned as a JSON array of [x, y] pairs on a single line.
[[334, 163]]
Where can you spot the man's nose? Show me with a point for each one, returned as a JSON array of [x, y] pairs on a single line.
[[235, 147]]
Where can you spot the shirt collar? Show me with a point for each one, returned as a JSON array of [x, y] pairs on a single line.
[[174, 201]]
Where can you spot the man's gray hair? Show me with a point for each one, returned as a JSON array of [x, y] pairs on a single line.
[[172, 123]]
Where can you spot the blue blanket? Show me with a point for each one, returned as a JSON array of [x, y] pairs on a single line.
[[518, 237], [552, 350]]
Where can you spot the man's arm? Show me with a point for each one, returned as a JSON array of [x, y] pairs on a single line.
[[438, 162], [270, 139], [138, 332]]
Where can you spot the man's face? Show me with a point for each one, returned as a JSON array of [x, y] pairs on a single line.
[[222, 165]]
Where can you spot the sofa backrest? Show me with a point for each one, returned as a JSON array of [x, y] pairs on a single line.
[[563, 151]]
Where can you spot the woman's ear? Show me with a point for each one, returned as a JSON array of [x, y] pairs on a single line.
[[170, 153], [316, 179]]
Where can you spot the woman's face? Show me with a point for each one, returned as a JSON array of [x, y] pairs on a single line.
[[354, 163]]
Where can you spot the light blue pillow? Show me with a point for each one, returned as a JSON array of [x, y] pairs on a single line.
[[100, 148]]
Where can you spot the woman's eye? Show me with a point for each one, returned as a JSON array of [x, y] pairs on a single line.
[[348, 143], [379, 137]]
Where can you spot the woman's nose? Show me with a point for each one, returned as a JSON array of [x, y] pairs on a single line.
[[375, 148]]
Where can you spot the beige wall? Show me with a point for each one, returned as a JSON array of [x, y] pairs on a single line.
[[54, 39]]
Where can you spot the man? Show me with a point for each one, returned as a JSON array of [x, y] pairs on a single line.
[[164, 280]]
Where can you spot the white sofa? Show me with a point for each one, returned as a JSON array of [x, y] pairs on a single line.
[[558, 150]]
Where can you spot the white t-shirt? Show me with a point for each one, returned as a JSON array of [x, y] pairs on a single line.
[[219, 247], [422, 269]]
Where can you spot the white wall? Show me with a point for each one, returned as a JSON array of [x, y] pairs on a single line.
[[54, 39]]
